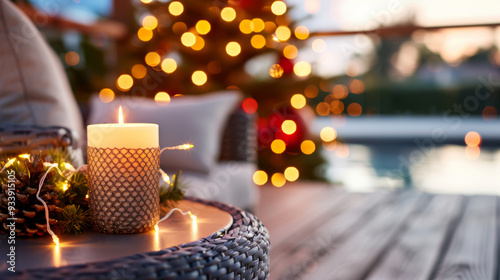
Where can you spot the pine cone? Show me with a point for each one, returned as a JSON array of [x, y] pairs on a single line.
[[30, 212]]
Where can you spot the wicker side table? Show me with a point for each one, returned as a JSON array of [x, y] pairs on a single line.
[[240, 252]]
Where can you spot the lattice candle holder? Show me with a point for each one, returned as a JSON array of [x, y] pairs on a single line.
[[123, 170]]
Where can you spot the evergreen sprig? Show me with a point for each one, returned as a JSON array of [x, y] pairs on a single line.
[[73, 219], [172, 193]]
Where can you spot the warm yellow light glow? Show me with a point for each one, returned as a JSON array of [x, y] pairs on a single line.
[[260, 177], [291, 173], [354, 109], [168, 65], [199, 44], [165, 177], [289, 127], [356, 86], [245, 26], [175, 8], [278, 180], [307, 147], [87, 196], [199, 78], [301, 32], [472, 139], [318, 45], [276, 71], [323, 109], [120, 116], [162, 98], [257, 25], [25, 156], [337, 106], [146, 1], [302, 69], [188, 39], [283, 33], [342, 150], [186, 146], [311, 91], [258, 41], [233, 48], [290, 52], [192, 216], [278, 146], [340, 91], [68, 166], [228, 14], [328, 134], [152, 58], [278, 8], [269, 26], [149, 22], [72, 58], [55, 239], [124, 82], [203, 27], [8, 164], [139, 71], [65, 186], [472, 152], [298, 101], [157, 228], [179, 27]]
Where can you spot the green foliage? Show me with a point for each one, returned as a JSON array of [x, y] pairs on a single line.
[[73, 219], [77, 190], [171, 193]]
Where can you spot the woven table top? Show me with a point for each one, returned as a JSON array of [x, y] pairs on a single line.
[[224, 243]]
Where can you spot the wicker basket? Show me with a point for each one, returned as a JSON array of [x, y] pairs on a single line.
[[241, 252], [17, 139]]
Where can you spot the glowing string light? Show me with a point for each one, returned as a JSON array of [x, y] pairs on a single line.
[[42, 180], [179, 147], [26, 156], [9, 163], [191, 215]]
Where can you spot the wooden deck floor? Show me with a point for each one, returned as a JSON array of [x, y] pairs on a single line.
[[320, 232]]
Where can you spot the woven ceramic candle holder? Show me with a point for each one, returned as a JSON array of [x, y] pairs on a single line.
[[124, 193]]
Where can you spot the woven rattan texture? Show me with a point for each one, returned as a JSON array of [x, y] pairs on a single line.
[[124, 193], [240, 253], [19, 139]]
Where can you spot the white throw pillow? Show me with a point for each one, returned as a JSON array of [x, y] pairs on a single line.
[[196, 120]]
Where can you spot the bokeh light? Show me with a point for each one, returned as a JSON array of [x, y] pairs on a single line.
[[106, 95], [311, 91], [270, 26], [340, 91], [188, 39], [124, 82], [199, 44], [168, 65], [199, 78], [228, 14], [307, 147], [354, 109], [276, 71], [139, 71], [249, 105], [472, 139], [328, 134], [144, 35], [162, 98], [149, 22], [337, 107], [298, 101], [146, 1], [323, 109], [283, 33], [203, 27], [278, 8], [258, 41], [356, 86], [291, 173], [245, 26], [290, 52], [302, 69], [318, 45], [71, 58], [289, 127], [257, 25], [175, 8], [179, 27], [489, 113], [342, 150], [472, 152], [152, 59], [301, 32], [233, 48], [278, 146], [260, 177], [278, 180]]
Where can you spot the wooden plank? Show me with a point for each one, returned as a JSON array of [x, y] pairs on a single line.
[[353, 258], [472, 251], [292, 263], [414, 255]]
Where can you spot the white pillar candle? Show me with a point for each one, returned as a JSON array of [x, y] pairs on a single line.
[[128, 135]]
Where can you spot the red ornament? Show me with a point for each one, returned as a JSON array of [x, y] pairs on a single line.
[[287, 65]]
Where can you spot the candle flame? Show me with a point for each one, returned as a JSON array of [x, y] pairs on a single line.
[[120, 116], [55, 239]]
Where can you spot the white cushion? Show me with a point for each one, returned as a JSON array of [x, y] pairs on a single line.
[[197, 120], [34, 89]]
